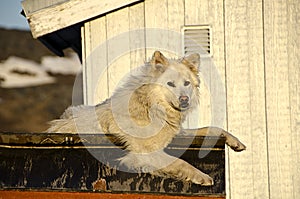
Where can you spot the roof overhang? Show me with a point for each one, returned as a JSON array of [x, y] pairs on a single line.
[[67, 13]]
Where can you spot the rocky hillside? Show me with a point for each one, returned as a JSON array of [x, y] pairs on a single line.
[[28, 109]]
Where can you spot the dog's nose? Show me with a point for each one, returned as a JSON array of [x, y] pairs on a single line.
[[183, 99]]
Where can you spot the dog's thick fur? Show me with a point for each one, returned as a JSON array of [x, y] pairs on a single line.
[[146, 113]]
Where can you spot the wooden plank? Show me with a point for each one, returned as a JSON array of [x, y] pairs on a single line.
[[164, 19], [156, 23], [196, 12], [118, 51], [117, 29], [195, 16], [35, 5], [137, 41], [95, 61], [78, 195], [84, 65], [293, 9], [278, 102], [248, 171], [257, 103], [59, 16], [98, 59], [175, 23], [203, 12]]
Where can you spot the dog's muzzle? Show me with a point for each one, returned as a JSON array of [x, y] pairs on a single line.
[[184, 102]]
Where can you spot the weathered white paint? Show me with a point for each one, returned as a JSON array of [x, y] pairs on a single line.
[[35, 5], [58, 16]]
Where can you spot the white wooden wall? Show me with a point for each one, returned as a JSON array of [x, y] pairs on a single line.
[[256, 47]]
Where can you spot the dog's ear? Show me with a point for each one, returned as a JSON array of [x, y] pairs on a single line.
[[159, 61], [192, 62]]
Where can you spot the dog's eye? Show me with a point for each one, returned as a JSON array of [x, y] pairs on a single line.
[[186, 83], [171, 84]]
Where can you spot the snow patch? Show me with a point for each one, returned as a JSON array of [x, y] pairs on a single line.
[[62, 65], [19, 72]]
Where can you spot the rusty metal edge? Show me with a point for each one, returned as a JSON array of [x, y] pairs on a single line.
[[115, 193], [65, 140]]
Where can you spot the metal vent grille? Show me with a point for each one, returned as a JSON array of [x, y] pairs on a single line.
[[197, 39]]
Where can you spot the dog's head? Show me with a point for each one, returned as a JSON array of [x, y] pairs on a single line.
[[178, 79]]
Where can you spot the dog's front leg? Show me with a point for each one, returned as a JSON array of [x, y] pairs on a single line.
[[162, 164], [231, 140], [181, 170]]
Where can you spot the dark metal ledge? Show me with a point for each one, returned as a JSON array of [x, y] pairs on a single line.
[[66, 162]]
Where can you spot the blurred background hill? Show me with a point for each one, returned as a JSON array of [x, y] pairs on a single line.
[[21, 44], [35, 85]]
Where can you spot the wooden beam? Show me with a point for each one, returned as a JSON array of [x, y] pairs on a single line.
[[82, 195], [62, 15]]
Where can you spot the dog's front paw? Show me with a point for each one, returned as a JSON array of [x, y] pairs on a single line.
[[191, 174], [235, 144], [181, 170], [202, 179]]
